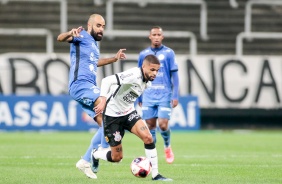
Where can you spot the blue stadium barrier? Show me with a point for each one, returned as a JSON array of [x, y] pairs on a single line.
[[61, 113]]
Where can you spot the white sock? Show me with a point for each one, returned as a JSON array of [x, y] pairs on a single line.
[[101, 154], [152, 155]]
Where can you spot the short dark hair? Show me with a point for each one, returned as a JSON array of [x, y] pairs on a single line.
[[152, 59], [157, 27]]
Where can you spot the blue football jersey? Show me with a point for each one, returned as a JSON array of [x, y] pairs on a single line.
[[161, 89], [84, 56]]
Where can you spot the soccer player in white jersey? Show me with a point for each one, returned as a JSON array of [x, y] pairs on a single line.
[[158, 100], [85, 59], [119, 114]]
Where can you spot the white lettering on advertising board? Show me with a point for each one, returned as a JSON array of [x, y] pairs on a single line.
[[24, 113]]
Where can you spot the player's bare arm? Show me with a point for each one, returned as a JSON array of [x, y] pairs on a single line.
[[68, 36], [119, 55], [101, 106]]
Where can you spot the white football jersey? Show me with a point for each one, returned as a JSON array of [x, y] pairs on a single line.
[[121, 98]]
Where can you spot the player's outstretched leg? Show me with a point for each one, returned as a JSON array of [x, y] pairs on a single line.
[[84, 164], [85, 167], [103, 146], [97, 141]]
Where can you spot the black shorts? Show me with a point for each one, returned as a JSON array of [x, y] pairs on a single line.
[[114, 127]]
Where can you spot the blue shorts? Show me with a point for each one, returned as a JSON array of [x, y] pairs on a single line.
[[85, 93], [156, 110]]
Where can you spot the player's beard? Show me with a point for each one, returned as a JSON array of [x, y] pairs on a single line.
[[149, 78], [95, 35], [157, 44]]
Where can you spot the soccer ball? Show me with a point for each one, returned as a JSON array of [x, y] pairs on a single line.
[[141, 167]]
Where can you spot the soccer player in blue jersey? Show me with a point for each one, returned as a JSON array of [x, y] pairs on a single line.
[[85, 58], [158, 100]]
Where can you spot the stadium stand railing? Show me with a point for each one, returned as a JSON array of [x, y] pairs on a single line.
[[233, 3], [172, 34], [63, 10], [248, 34], [202, 3], [225, 22], [248, 11], [32, 32], [260, 35]]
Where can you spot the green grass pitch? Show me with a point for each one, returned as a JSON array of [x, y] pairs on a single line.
[[218, 157]]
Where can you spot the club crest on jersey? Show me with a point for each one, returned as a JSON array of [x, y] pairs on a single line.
[[117, 136], [95, 89], [122, 76], [161, 57]]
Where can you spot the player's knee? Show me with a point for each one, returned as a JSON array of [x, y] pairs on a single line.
[[147, 139], [150, 126], [151, 123], [163, 126]]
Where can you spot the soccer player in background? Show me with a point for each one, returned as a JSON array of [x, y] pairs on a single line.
[[158, 100], [85, 58], [118, 94]]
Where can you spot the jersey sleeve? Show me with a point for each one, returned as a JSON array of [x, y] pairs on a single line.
[[172, 63], [174, 75], [107, 83], [140, 59], [78, 38], [175, 82]]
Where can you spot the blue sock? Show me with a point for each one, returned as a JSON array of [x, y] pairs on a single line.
[[166, 137], [104, 143], [95, 141], [153, 132]]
